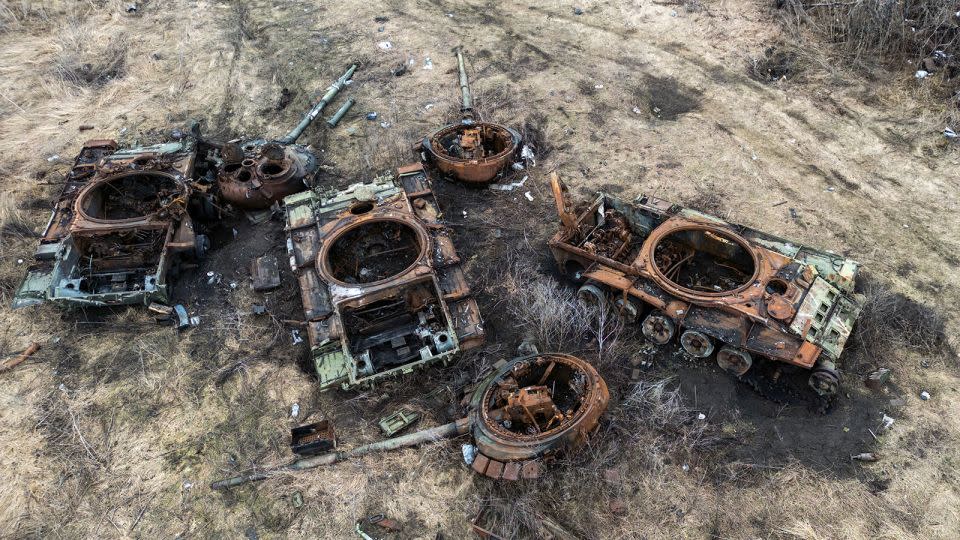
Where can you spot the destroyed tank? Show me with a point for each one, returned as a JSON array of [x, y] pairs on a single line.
[[471, 151], [120, 225], [254, 174], [524, 414], [380, 280], [719, 288]]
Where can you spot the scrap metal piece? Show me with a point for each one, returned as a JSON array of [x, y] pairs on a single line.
[[341, 112], [757, 295], [122, 222], [265, 272], [470, 151], [20, 358], [397, 421], [183, 320], [313, 439], [380, 279]]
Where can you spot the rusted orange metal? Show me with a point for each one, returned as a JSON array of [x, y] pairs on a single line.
[[474, 153], [531, 410], [749, 290]]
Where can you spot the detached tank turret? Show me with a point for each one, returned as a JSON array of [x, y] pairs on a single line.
[[471, 151], [523, 415], [256, 173]]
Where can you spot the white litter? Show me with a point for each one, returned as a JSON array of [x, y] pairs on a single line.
[[598, 86], [887, 422], [385, 45], [295, 410], [195, 321], [509, 187], [636, 110], [528, 196], [925, 395], [517, 166], [921, 74], [469, 453], [949, 133], [427, 63], [526, 153], [701, 416], [296, 337]]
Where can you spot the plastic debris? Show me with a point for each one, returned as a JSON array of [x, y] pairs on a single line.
[[528, 196], [577, 11], [866, 457], [469, 453], [636, 110], [921, 74], [385, 45], [949, 133], [925, 395], [427, 63], [701, 416], [372, 116], [258, 309], [295, 410], [295, 335], [509, 187], [518, 166], [526, 153], [887, 422], [183, 320]]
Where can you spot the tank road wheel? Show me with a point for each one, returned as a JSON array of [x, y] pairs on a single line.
[[592, 297], [734, 361], [628, 310], [659, 328], [825, 380], [697, 344]]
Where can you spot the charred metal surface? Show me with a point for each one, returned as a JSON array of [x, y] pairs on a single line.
[[470, 151], [265, 272], [381, 284], [530, 410], [756, 293], [256, 173], [120, 224]]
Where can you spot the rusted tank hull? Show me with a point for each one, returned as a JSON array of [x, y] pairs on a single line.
[[381, 284], [754, 295], [496, 149], [118, 227]]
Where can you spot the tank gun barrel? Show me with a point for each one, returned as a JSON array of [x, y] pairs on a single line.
[[467, 106], [314, 112], [445, 431]]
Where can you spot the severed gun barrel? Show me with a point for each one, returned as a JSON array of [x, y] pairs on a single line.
[[313, 113], [467, 106], [445, 431]]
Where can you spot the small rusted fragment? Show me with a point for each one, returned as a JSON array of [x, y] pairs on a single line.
[[265, 272]]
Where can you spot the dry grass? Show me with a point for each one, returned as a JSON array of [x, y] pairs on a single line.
[[149, 415]]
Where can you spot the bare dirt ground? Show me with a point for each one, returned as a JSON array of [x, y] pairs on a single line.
[[118, 425]]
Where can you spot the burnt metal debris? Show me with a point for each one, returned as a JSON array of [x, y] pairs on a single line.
[[471, 151], [716, 287], [256, 173], [524, 414], [380, 280], [124, 219], [129, 218]]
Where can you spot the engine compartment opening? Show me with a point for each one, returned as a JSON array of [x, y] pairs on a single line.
[[704, 261], [129, 197], [117, 262], [473, 141], [374, 251], [406, 326]]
